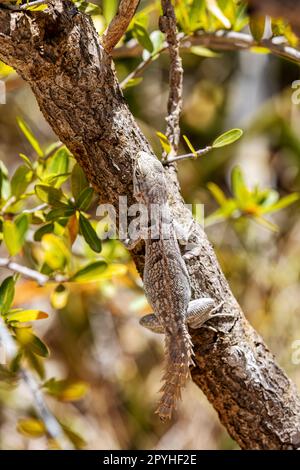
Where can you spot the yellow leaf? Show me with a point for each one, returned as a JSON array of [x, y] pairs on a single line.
[[31, 427]]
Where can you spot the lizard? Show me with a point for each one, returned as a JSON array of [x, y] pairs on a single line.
[[167, 283]]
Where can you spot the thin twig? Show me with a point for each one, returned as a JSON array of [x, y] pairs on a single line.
[[24, 6], [141, 67], [52, 426], [198, 153], [29, 273], [119, 24], [168, 26], [223, 41]]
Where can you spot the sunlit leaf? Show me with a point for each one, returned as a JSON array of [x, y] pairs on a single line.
[[281, 204], [59, 297], [203, 51], [141, 35], [5, 70], [58, 166], [55, 214], [78, 180], [20, 180], [190, 145], [196, 13], [266, 224], [84, 199], [109, 9], [52, 196], [30, 342], [73, 228], [14, 233], [91, 272], [30, 137], [89, 234], [48, 228], [31, 427], [164, 142], [238, 185], [133, 82], [23, 316], [218, 194], [74, 437], [7, 292], [65, 390], [214, 8], [257, 25], [227, 138], [56, 252]]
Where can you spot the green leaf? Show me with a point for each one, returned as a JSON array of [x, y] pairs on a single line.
[[30, 342], [91, 272], [58, 166], [36, 363], [26, 160], [196, 12], [266, 224], [110, 8], [164, 142], [65, 390], [74, 437], [7, 293], [4, 182], [281, 204], [52, 196], [257, 26], [190, 146], [30, 137], [203, 51], [56, 252], [84, 199], [89, 234], [60, 212], [142, 36], [31, 427], [214, 8], [48, 228], [14, 233], [78, 180], [59, 297], [227, 138], [217, 193], [239, 188], [23, 316], [20, 180], [132, 82]]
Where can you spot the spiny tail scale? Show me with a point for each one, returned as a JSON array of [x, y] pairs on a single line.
[[179, 352]]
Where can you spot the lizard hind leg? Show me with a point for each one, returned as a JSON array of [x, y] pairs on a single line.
[[179, 358]]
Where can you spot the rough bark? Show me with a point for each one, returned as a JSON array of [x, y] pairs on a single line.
[[59, 54]]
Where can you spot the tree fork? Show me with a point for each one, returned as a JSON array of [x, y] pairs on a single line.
[[59, 54]]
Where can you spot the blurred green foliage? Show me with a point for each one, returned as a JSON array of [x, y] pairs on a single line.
[[77, 328]]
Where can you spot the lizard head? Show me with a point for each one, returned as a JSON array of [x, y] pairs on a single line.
[[149, 181]]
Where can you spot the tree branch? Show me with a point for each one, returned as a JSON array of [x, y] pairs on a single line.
[[168, 25], [119, 24], [78, 93], [222, 41]]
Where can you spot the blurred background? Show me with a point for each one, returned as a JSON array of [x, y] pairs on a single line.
[[93, 333]]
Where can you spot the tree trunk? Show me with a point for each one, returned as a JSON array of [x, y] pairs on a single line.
[[59, 54]]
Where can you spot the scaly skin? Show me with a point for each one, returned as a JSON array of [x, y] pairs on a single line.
[[166, 282]]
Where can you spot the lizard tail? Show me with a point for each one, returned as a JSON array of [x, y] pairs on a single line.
[[179, 352]]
